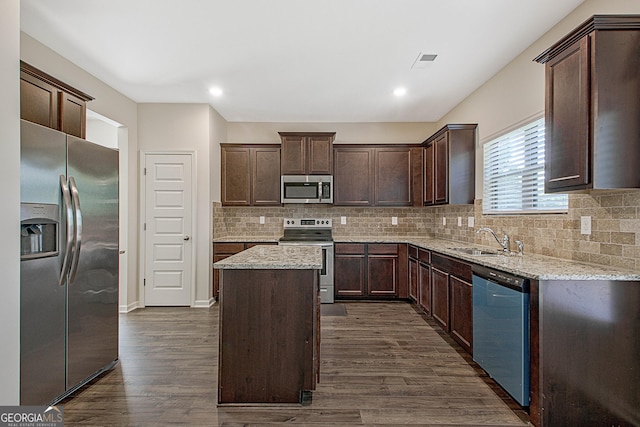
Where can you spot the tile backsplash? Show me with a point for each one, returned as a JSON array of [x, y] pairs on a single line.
[[615, 229]]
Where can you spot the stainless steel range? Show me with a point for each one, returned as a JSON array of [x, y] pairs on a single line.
[[317, 232]]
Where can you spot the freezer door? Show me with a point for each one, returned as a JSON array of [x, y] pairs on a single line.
[[92, 342], [42, 299]]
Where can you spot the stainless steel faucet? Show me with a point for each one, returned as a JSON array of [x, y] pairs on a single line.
[[505, 239]]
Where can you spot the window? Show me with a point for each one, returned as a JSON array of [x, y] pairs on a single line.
[[514, 173]]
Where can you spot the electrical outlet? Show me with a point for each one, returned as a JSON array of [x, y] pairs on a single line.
[[585, 225], [394, 220], [444, 220], [261, 220], [343, 220], [471, 221], [459, 221]]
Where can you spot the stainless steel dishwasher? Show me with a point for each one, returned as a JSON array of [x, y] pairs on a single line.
[[501, 329]]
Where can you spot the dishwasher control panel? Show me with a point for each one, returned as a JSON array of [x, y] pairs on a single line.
[[502, 278]]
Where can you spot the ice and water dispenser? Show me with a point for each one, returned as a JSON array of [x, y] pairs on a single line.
[[39, 223]]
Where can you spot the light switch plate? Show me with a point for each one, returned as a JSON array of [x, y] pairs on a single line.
[[459, 221], [471, 221], [444, 220], [585, 225], [261, 220], [394, 220], [343, 220]]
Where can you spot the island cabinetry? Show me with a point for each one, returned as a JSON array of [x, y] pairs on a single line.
[[370, 271], [449, 165], [377, 175], [307, 153], [268, 351], [226, 249], [49, 102], [592, 138], [250, 175]]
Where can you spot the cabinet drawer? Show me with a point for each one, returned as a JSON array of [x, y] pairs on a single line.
[[349, 248], [452, 266], [424, 256], [228, 248], [383, 249]]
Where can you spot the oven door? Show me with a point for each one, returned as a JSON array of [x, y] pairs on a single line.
[[326, 273]]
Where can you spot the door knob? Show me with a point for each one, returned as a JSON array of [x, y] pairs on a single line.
[[186, 238]]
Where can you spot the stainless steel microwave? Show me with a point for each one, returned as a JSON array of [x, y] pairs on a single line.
[[307, 189]]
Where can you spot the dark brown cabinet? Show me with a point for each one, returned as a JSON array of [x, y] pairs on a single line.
[[307, 153], [449, 165], [460, 316], [224, 250], [371, 270], [440, 297], [49, 102], [377, 175], [250, 175], [592, 138], [414, 277], [420, 277]]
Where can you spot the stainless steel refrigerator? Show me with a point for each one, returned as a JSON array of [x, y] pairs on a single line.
[[68, 265]]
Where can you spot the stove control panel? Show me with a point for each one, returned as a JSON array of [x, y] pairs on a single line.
[[307, 223]]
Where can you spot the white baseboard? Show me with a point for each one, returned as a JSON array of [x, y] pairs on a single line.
[[204, 303], [128, 308]]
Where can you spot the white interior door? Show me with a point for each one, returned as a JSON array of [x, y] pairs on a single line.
[[168, 220]]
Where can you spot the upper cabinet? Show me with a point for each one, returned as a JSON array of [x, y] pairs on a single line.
[[250, 175], [592, 138], [381, 175], [307, 153], [49, 102], [449, 165]]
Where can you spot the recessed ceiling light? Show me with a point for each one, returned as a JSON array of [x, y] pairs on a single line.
[[215, 91], [400, 91]]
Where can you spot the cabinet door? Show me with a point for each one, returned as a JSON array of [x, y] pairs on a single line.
[[440, 297], [441, 174], [349, 277], [413, 279], [320, 155], [382, 270], [38, 101], [353, 177], [73, 115], [265, 177], [461, 312], [393, 177], [567, 118], [429, 175], [236, 176], [294, 155], [424, 283]]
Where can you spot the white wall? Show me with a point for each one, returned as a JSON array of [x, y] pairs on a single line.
[[10, 213], [218, 133], [186, 127], [113, 105], [517, 91]]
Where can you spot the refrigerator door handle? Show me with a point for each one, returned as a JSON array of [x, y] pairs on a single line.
[[78, 237], [66, 199]]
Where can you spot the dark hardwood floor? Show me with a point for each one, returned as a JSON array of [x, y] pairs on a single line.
[[381, 364]]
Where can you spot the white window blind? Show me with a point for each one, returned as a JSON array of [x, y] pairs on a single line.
[[514, 173]]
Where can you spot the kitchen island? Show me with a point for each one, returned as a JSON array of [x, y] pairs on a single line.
[[269, 325]]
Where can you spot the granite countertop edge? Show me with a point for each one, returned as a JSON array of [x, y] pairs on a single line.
[[532, 266], [270, 257]]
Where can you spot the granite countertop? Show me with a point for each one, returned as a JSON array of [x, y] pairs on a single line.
[[243, 239], [531, 266], [273, 257]]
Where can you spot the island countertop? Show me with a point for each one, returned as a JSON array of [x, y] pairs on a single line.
[[271, 257]]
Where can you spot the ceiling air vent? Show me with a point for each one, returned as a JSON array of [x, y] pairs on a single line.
[[423, 59]]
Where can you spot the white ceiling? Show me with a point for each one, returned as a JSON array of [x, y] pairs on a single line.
[[294, 60]]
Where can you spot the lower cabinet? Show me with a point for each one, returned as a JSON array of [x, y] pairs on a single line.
[[444, 292], [370, 271], [226, 249]]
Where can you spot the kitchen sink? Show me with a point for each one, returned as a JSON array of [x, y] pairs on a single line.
[[477, 251]]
